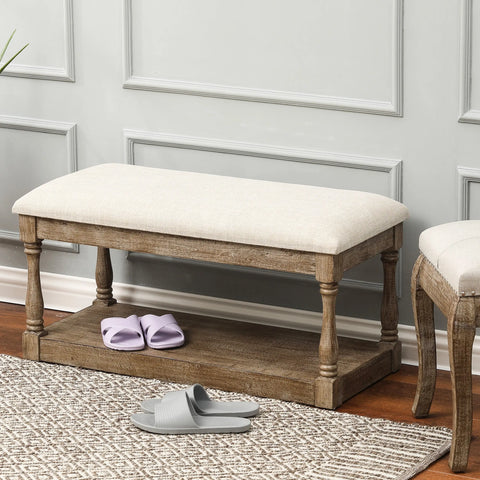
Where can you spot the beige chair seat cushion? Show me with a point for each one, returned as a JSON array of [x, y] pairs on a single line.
[[454, 249], [255, 212]]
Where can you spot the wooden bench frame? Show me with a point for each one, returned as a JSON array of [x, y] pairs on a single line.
[[328, 389]]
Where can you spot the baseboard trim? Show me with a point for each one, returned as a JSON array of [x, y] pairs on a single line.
[[68, 293]]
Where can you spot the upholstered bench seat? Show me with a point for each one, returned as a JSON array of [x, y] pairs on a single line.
[[304, 229], [254, 212], [454, 249]]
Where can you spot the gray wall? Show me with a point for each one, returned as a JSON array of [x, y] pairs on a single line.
[[375, 95]]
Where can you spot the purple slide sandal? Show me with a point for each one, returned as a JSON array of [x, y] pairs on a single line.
[[162, 332], [122, 333]]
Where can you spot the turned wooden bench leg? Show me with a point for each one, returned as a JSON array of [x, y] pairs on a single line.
[[389, 311], [328, 349], [427, 351], [461, 334], [328, 385], [328, 388], [104, 278], [33, 303]]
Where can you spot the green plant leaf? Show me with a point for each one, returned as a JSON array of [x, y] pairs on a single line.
[[6, 45], [13, 58], [3, 67]]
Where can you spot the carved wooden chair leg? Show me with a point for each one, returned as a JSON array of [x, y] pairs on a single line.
[[461, 333], [104, 278], [328, 349], [427, 351], [33, 302]]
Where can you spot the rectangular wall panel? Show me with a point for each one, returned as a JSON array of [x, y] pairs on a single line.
[[308, 52], [271, 169], [468, 193], [32, 152], [474, 213], [475, 54], [470, 62], [48, 29]]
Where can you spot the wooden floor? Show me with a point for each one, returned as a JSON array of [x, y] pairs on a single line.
[[390, 398]]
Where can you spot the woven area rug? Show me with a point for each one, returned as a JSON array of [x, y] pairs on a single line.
[[59, 422]]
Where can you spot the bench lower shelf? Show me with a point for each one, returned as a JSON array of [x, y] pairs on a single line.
[[237, 356]]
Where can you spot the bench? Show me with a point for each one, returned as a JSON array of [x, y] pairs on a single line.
[[279, 226], [447, 274]]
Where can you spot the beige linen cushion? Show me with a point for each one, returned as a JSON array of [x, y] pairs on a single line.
[[454, 249], [255, 212]]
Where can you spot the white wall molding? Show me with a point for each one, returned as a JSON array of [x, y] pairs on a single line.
[[465, 176], [393, 168], [397, 65], [46, 126], [68, 130], [392, 107], [65, 74], [66, 293], [467, 113]]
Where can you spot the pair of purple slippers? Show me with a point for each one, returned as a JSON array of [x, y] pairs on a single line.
[[133, 332]]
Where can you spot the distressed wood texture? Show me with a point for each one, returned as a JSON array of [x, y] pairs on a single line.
[[328, 349], [104, 277], [463, 314], [461, 333], [34, 298], [177, 246], [330, 387], [389, 311], [257, 359], [427, 352]]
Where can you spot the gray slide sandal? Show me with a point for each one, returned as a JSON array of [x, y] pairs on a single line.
[[176, 415], [205, 406]]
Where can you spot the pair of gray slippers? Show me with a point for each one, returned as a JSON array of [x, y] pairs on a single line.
[[193, 411]]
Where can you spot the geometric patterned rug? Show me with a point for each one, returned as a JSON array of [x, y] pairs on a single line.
[[67, 423]]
